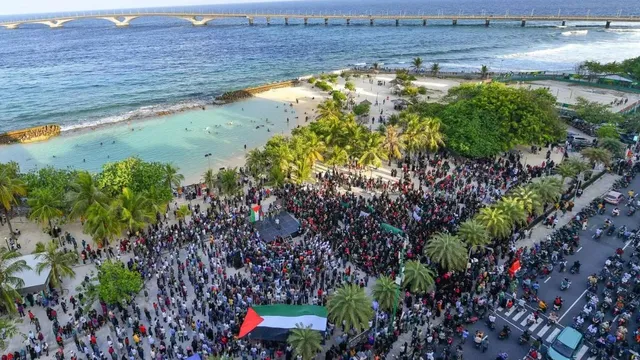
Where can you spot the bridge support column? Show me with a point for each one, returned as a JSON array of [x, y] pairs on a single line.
[[326, 21], [607, 25], [454, 22], [523, 23], [397, 22], [121, 21], [564, 22], [371, 22], [250, 21], [195, 21], [487, 22], [54, 24], [348, 21], [268, 21], [11, 26], [306, 21], [286, 21], [424, 22]]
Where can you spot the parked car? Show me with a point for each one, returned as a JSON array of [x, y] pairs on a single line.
[[614, 197], [566, 345], [579, 141]]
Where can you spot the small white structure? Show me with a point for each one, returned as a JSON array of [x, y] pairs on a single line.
[[33, 282]]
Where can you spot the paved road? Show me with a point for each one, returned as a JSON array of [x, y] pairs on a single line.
[[592, 254]]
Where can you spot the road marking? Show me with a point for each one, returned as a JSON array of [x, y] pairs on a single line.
[[544, 330], [524, 322], [549, 278], [509, 322], [519, 315], [534, 326], [580, 354], [499, 308], [580, 248], [508, 313], [627, 244], [553, 335], [572, 305], [593, 227]]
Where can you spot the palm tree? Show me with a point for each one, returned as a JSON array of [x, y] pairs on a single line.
[[209, 179], [11, 187], [417, 277], [529, 198], [495, 221], [548, 188], [157, 199], [182, 212], [83, 192], [9, 282], [514, 209], [102, 223], [422, 133], [385, 292], [313, 146], [172, 178], [473, 233], [350, 305], [615, 146], [9, 329], [484, 71], [597, 156], [372, 151], [58, 260], [579, 165], [435, 69], [447, 251], [416, 64], [375, 66], [135, 210], [228, 181], [566, 170], [329, 110], [45, 205], [392, 145], [256, 163], [304, 341], [433, 136], [302, 169]]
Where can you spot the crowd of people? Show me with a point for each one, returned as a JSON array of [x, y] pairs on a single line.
[[201, 275]]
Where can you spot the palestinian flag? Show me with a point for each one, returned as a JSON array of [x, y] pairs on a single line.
[[255, 213], [273, 322]]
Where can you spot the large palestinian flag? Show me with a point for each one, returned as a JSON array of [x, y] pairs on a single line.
[[273, 322]]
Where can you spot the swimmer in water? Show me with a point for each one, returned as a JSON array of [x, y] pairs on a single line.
[[84, 160], [101, 143]]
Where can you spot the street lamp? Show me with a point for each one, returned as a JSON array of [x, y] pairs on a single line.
[[208, 156]]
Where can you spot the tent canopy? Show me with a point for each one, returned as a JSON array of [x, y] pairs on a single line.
[[33, 281]]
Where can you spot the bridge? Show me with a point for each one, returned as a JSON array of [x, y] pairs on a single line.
[[123, 19]]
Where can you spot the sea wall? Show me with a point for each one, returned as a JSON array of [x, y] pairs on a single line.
[[38, 133], [238, 95]]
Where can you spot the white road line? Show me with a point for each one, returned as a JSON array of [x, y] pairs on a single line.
[[508, 313], [581, 352], [580, 248], [509, 322], [572, 305], [627, 244], [524, 322], [553, 335], [534, 326], [499, 308], [544, 330], [519, 315], [549, 278]]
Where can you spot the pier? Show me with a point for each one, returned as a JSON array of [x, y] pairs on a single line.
[[124, 19]]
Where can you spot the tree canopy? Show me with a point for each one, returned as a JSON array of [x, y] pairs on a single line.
[[595, 113], [117, 283]]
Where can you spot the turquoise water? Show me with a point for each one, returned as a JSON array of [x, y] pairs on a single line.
[[219, 130]]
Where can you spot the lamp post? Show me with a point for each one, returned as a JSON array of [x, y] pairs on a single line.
[[399, 280], [208, 156]]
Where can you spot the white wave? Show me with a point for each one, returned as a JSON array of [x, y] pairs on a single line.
[[636, 30], [561, 27], [141, 113], [575, 33], [360, 64], [604, 51]]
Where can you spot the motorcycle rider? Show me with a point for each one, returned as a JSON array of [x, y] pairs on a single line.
[[492, 321], [578, 321], [615, 212], [592, 330], [598, 233], [553, 317], [576, 265], [565, 283], [557, 303]]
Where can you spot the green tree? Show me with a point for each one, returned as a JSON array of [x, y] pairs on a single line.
[[45, 206], [566, 170], [11, 188], [416, 64], [497, 223], [372, 152], [473, 233], [305, 341], [597, 156], [83, 192], [349, 86], [135, 210], [39, 248], [385, 292], [350, 305], [392, 144], [615, 146], [338, 156], [435, 69], [484, 71], [595, 113], [172, 178], [256, 163], [229, 182], [549, 189], [209, 179], [375, 66], [10, 268], [103, 223], [339, 97], [182, 212], [514, 209], [157, 200], [9, 330], [608, 131], [361, 109], [529, 198], [116, 283], [447, 251], [417, 277], [59, 261]]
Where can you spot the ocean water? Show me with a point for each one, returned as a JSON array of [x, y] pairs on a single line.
[[91, 72]]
